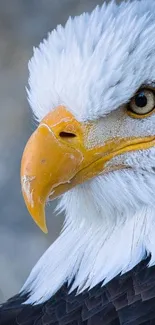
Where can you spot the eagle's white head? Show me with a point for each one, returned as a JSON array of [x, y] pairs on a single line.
[[92, 89]]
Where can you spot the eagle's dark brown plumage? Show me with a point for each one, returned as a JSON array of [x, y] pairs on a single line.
[[126, 300]]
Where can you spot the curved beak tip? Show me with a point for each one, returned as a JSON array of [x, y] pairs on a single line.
[[38, 215], [35, 207], [40, 220], [43, 228]]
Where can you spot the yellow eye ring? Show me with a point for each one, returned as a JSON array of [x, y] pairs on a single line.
[[142, 105], [139, 116]]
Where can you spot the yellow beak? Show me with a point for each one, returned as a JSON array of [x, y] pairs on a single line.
[[56, 159]]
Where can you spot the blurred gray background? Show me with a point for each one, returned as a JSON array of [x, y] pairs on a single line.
[[23, 24]]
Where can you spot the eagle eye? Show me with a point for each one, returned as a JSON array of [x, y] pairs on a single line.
[[142, 104]]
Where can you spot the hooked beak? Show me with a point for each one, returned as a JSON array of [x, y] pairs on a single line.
[[56, 158]]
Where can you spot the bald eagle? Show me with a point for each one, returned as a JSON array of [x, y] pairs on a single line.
[[92, 90]]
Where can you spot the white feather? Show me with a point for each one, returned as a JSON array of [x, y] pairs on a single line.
[[96, 62], [93, 66], [110, 227]]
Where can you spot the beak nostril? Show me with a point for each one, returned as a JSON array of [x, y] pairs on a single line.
[[67, 135]]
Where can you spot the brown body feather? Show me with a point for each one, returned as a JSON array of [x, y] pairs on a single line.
[[126, 300]]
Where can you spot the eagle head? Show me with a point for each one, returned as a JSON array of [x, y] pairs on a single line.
[[92, 90]]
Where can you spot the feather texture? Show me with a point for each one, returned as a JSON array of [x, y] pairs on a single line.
[[126, 300], [96, 62], [93, 66]]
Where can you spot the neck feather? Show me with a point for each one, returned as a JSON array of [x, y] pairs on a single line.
[[93, 247]]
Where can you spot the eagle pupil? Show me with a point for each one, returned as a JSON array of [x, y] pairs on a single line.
[[141, 100]]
